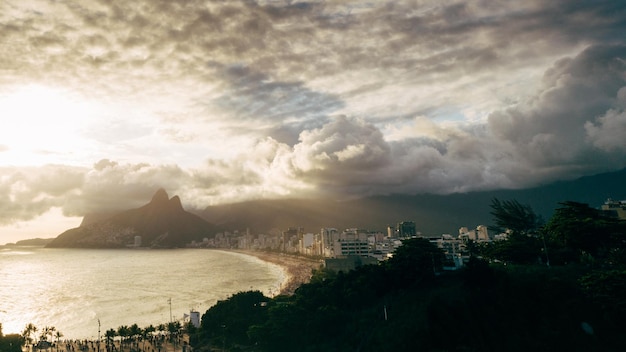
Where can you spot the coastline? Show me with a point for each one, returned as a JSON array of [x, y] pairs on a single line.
[[297, 268]]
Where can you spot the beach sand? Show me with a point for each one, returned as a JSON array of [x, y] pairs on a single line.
[[298, 269]]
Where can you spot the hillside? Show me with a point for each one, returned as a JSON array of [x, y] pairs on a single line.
[[161, 223], [433, 214]]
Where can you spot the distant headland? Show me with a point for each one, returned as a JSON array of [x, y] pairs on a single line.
[[162, 223], [31, 242]]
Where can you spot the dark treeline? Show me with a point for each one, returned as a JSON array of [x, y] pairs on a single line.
[[10, 342], [550, 286]]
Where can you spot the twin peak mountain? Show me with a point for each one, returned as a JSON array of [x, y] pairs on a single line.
[[162, 223]]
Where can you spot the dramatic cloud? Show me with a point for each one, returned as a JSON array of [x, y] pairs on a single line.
[[549, 132], [26, 193], [102, 102]]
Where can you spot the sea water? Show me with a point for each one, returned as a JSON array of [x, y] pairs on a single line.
[[84, 292]]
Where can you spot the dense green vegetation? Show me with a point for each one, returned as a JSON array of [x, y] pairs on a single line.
[[516, 303], [576, 233]]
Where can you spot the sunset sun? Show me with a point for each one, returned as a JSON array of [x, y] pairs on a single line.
[[42, 125]]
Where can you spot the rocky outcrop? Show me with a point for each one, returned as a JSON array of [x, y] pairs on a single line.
[[161, 223]]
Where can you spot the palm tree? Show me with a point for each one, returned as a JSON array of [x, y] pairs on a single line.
[[47, 331], [29, 331], [50, 332], [174, 329], [110, 336], [146, 333], [43, 336], [161, 332], [58, 335], [134, 332], [123, 331]]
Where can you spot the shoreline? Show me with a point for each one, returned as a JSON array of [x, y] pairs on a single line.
[[287, 273], [297, 269]]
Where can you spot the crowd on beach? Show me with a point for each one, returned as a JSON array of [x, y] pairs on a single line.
[[298, 269], [155, 343]]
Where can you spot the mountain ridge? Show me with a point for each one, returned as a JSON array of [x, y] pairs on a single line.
[[161, 223], [433, 214]]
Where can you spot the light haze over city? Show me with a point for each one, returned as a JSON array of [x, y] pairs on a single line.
[[104, 102]]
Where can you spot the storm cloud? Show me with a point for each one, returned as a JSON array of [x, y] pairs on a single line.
[[103, 102]]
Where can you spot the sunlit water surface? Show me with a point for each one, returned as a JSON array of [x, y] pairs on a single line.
[[71, 289]]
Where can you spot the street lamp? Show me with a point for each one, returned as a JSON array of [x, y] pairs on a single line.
[[98, 342]]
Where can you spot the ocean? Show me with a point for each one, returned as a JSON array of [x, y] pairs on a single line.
[[83, 291]]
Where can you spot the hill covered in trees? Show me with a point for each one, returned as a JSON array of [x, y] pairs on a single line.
[[404, 306], [509, 296], [433, 214]]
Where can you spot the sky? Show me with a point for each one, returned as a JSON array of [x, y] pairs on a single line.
[[102, 102]]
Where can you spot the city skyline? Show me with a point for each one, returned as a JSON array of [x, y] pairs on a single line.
[[104, 101]]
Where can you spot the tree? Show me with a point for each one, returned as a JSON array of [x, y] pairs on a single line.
[[58, 335], [134, 332], [173, 328], [123, 332], [522, 226], [147, 332], [518, 249], [192, 332], [577, 228], [47, 332], [11, 342], [29, 332], [110, 336], [605, 288], [231, 319], [513, 216], [414, 261]]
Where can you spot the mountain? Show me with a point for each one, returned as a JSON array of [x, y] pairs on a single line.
[[433, 214], [161, 223]]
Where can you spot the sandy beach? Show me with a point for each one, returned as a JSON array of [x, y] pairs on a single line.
[[297, 268]]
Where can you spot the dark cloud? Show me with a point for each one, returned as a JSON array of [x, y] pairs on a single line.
[[550, 130], [554, 134]]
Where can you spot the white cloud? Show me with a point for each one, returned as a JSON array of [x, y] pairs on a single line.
[[609, 133]]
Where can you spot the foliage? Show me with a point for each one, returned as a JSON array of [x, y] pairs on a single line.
[[228, 321], [518, 248], [579, 231], [11, 342], [416, 260], [513, 216], [607, 289], [520, 222]]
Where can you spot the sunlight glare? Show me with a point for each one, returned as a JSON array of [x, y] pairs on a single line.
[[42, 125]]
